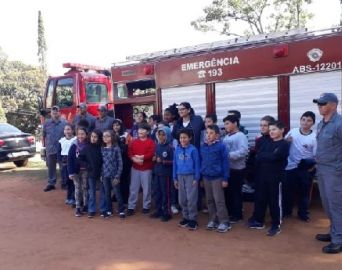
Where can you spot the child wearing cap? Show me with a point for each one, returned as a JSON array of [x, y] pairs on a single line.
[[161, 186]]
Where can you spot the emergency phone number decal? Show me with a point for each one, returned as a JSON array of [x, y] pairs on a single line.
[[210, 68], [317, 67]]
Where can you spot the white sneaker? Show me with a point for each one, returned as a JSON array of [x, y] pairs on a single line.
[[174, 210], [224, 227], [211, 226]]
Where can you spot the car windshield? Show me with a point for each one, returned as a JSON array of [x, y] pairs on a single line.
[[7, 128]]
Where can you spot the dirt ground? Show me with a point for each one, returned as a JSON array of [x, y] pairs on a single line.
[[38, 231]]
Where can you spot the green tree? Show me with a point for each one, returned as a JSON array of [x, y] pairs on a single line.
[[42, 47], [20, 86], [257, 16], [2, 113]]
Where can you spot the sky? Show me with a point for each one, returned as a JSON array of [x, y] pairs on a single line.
[[105, 32]]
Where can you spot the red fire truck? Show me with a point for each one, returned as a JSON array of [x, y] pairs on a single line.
[[80, 84], [277, 74]]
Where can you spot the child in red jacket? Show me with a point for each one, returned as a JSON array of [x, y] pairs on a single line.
[[141, 152]]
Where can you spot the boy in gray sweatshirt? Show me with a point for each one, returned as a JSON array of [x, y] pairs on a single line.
[[237, 146]]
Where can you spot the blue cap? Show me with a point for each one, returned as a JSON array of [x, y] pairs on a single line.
[[325, 98]]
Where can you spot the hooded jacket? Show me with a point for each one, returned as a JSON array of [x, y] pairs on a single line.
[[165, 153], [186, 161], [214, 161], [92, 157]]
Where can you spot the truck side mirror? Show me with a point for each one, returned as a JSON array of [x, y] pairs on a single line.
[[40, 103], [40, 106]]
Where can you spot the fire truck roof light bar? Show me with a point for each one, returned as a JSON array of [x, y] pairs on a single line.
[[78, 66], [247, 40], [125, 63]]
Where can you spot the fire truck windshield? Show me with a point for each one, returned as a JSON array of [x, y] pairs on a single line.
[[96, 93], [64, 92]]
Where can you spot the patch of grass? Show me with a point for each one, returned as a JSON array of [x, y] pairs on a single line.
[[35, 170]]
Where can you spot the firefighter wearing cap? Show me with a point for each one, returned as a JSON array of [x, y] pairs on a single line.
[[53, 131], [329, 169], [83, 116], [103, 122]]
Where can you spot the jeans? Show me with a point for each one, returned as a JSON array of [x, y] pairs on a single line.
[[64, 173], [92, 194], [106, 196], [51, 162], [81, 189], [68, 182]]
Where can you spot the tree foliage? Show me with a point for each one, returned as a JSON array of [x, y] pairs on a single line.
[[257, 16], [42, 47], [20, 86], [2, 113]]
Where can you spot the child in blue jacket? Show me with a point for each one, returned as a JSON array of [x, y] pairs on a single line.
[[186, 174], [215, 172]]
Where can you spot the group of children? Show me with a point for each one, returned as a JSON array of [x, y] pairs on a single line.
[[152, 160]]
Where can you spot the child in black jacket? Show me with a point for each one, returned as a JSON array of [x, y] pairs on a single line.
[[92, 157], [271, 163], [78, 172]]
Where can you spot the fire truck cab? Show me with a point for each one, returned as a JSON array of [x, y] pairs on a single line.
[[80, 84]]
